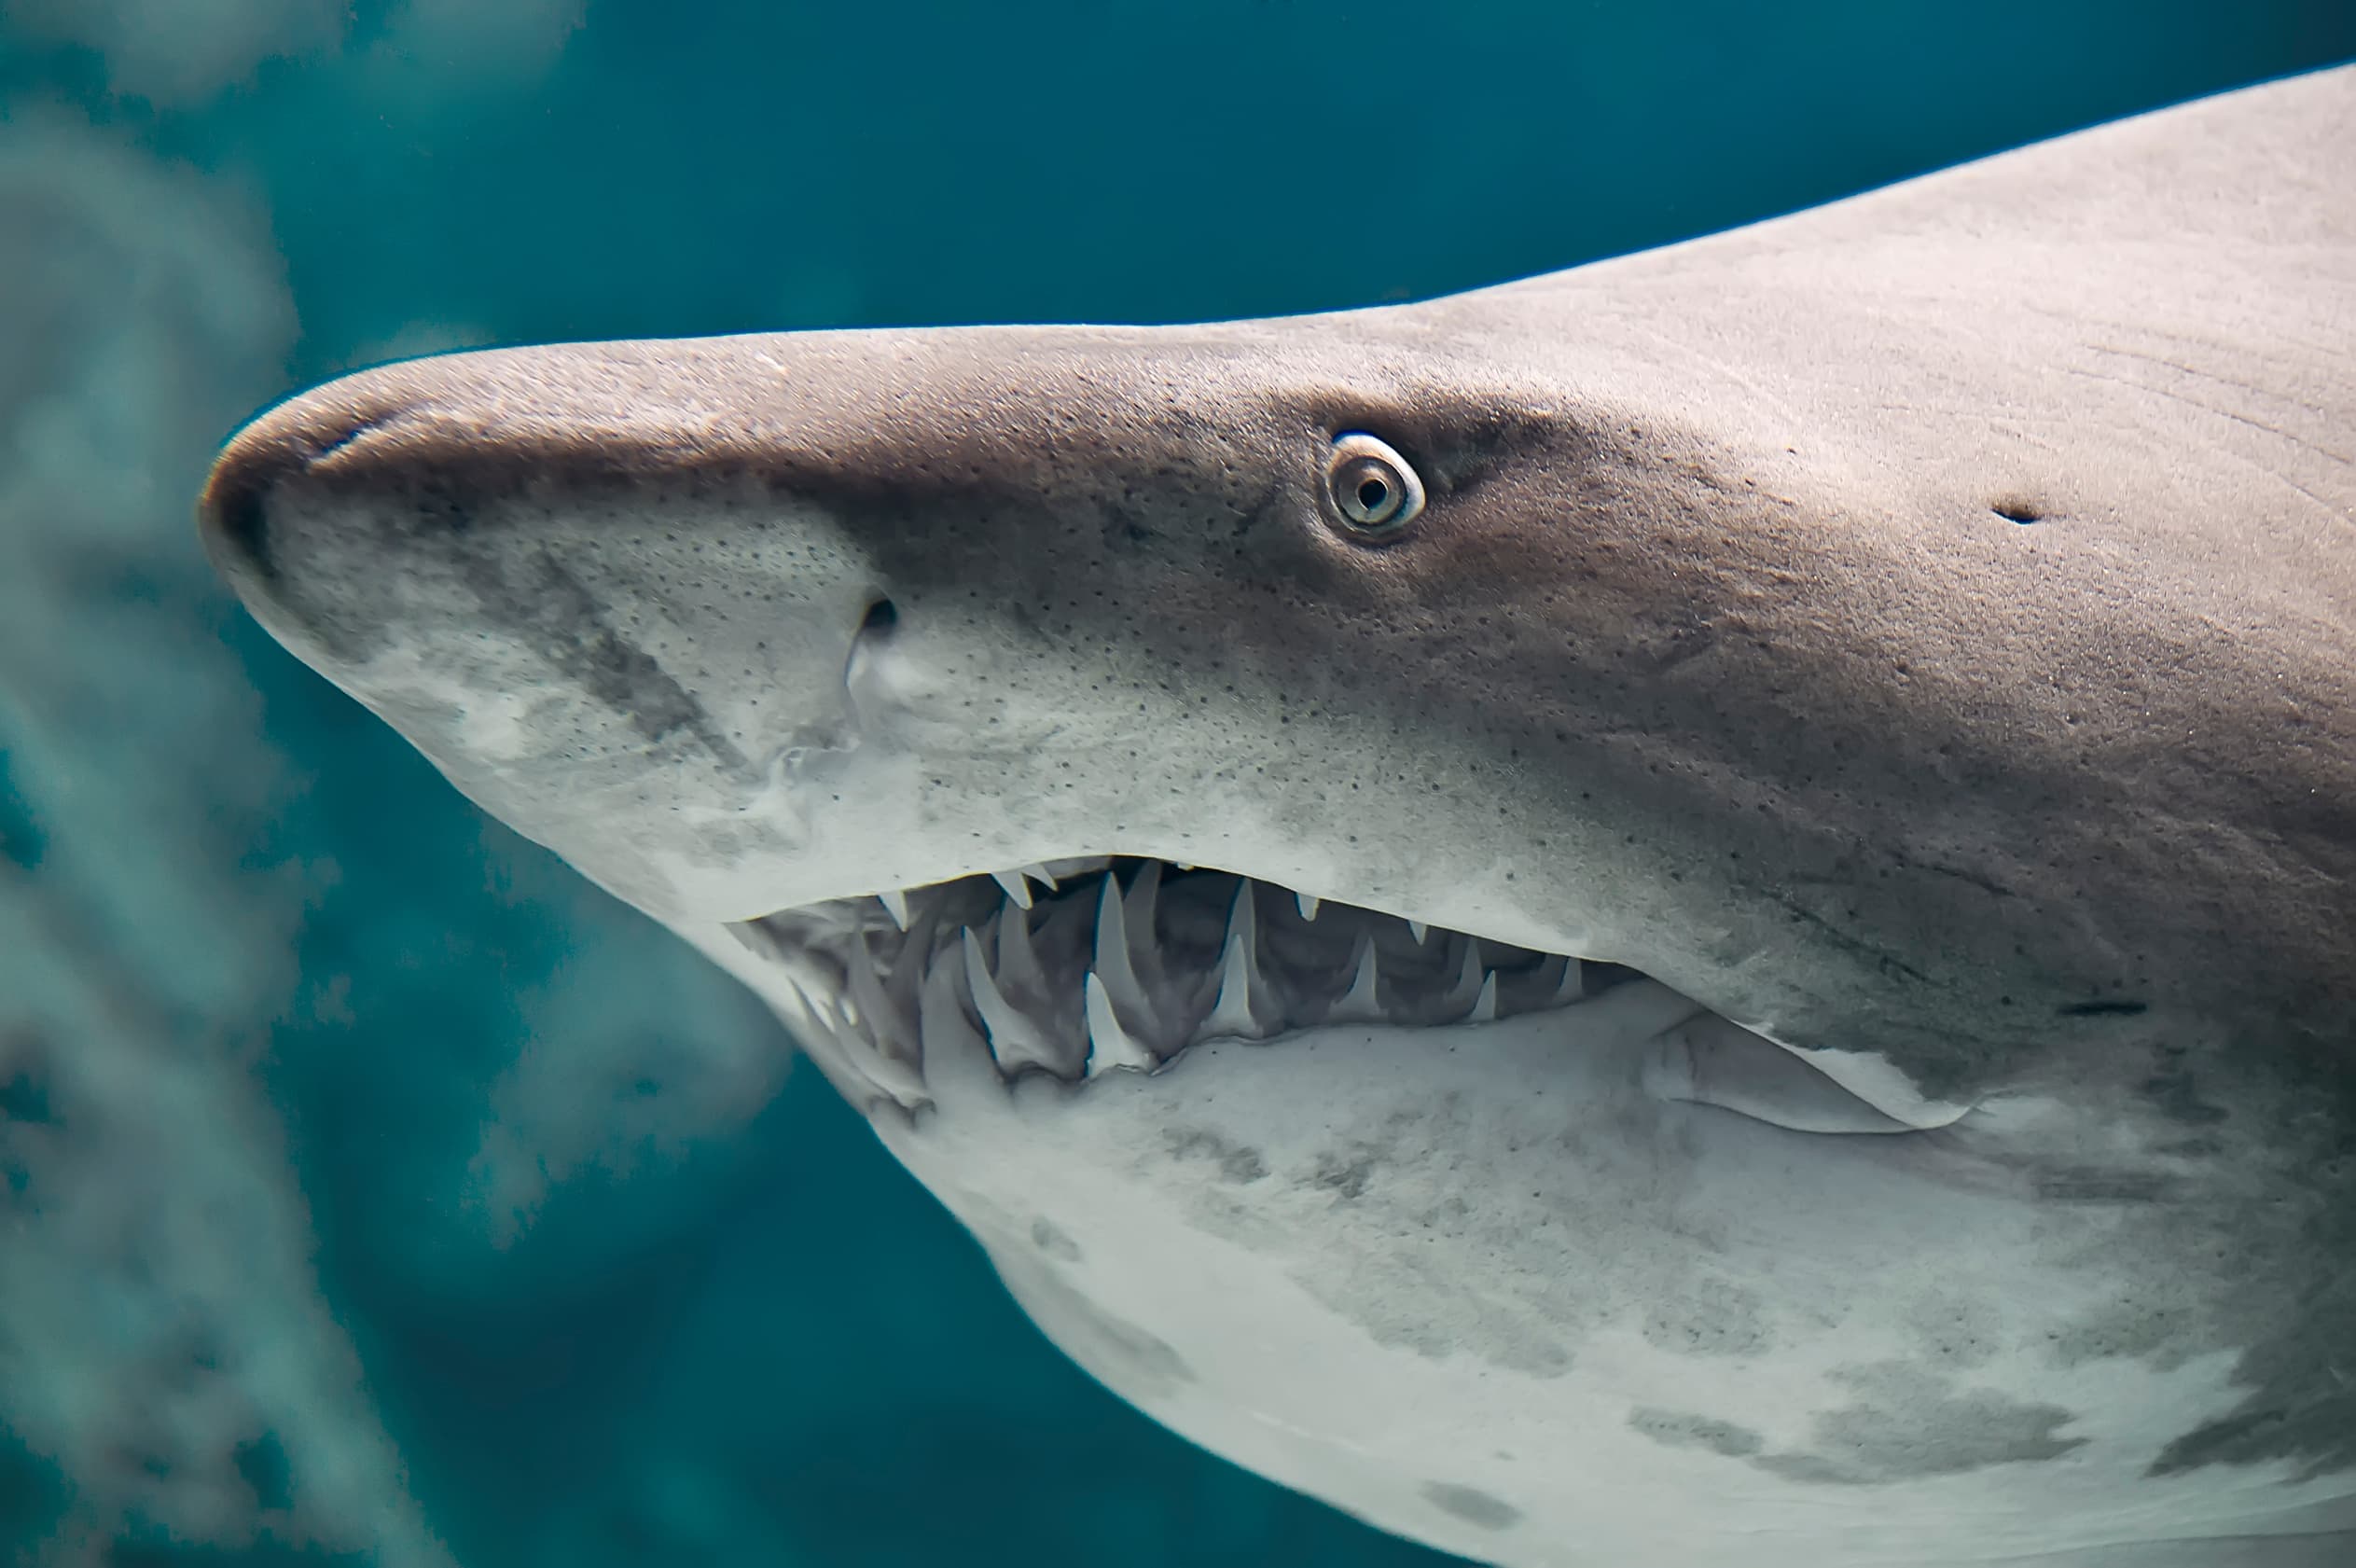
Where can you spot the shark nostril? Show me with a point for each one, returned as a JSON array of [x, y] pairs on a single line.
[[882, 616]]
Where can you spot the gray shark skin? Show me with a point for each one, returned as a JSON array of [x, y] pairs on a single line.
[[1769, 978]]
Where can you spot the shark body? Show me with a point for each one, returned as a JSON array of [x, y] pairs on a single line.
[[1701, 911]]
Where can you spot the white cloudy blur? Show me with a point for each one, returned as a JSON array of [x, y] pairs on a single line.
[[165, 1344], [181, 51], [166, 1350]]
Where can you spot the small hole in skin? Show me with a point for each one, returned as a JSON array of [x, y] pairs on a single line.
[[882, 615], [2014, 509]]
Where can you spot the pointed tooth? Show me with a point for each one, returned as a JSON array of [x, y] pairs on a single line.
[[1015, 1041], [891, 1029], [956, 1053], [1245, 1007], [1114, 960], [895, 904], [1485, 1007], [1171, 1003], [1308, 902], [901, 1080], [1019, 957], [1108, 1044], [1231, 1014], [1466, 991], [1566, 989], [984, 990], [1360, 1004], [1137, 907], [801, 1001], [829, 1020], [1037, 872], [1017, 888], [1418, 930], [920, 942]]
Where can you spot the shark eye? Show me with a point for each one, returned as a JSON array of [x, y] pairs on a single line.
[[1371, 486]]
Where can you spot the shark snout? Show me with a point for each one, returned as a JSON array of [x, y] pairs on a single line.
[[280, 444], [581, 595]]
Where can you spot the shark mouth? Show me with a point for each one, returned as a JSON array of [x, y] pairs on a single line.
[[1112, 962]]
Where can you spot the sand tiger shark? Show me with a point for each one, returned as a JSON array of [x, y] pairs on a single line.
[[1701, 911]]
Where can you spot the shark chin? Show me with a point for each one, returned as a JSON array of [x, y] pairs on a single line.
[[1697, 913], [1519, 1253]]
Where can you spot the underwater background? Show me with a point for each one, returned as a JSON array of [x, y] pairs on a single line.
[[372, 1189]]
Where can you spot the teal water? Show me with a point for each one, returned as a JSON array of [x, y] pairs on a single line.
[[370, 1189]]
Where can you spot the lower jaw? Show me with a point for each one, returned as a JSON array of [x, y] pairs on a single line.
[[1355, 1262]]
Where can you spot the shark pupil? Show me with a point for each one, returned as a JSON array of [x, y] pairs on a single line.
[[1372, 493]]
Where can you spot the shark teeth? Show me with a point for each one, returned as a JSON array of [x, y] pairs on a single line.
[[1246, 1006], [1084, 967], [1465, 995], [1109, 1045], [1485, 1004], [1361, 1003], [1018, 1039]]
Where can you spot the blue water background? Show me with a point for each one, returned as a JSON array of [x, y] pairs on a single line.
[[371, 1188]]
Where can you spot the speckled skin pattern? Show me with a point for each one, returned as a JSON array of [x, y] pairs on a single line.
[[1921, 631]]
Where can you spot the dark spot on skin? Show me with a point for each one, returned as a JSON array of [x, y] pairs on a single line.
[[882, 616], [1345, 1174], [1235, 1165], [1054, 1242], [1472, 1504], [2013, 508], [569, 623], [1724, 1320], [1907, 1423], [2146, 1329], [2315, 1424], [1677, 1430], [2101, 1009], [1138, 1364], [2096, 1185], [1124, 1345]]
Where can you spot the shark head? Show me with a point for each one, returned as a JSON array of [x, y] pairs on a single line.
[[1727, 876]]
